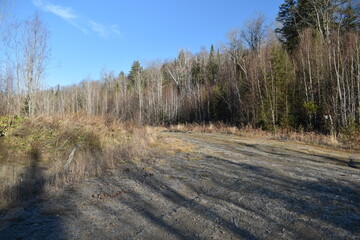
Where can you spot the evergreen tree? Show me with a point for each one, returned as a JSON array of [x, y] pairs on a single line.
[[282, 71], [295, 16], [213, 66], [134, 73], [323, 16], [288, 17], [350, 15]]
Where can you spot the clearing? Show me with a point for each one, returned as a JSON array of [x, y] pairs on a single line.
[[210, 186]]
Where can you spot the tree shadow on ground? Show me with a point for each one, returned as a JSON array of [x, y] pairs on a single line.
[[294, 154], [24, 218], [324, 200], [159, 186], [157, 199]]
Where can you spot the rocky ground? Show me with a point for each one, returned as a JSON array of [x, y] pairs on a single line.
[[219, 187]]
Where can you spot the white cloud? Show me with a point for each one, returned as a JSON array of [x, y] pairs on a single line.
[[63, 12], [104, 31], [83, 24], [100, 29], [115, 30], [37, 3], [78, 26]]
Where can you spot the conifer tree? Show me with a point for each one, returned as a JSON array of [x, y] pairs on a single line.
[[134, 73], [288, 17], [212, 67]]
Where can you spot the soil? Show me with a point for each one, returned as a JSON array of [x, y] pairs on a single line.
[[221, 187]]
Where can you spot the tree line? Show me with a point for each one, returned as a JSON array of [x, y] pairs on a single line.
[[305, 74]]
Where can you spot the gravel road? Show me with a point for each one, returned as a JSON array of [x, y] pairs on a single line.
[[220, 187]]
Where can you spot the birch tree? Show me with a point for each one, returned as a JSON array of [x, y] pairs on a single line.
[[36, 56]]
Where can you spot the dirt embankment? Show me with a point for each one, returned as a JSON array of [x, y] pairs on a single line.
[[211, 186]]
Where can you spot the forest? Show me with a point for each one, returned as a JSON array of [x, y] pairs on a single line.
[[303, 74]]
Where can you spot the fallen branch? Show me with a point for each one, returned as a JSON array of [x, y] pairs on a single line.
[[70, 158]]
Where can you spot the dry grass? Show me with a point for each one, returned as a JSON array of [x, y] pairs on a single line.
[[33, 155], [219, 127], [311, 138], [281, 134], [205, 128], [35, 151]]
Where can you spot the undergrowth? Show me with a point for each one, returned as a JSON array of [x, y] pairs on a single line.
[[349, 139], [34, 151]]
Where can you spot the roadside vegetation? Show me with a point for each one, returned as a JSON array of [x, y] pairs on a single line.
[[47, 152], [303, 75], [346, 140]]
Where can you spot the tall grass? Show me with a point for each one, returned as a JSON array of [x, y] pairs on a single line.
[[33, 155], [281, 134]]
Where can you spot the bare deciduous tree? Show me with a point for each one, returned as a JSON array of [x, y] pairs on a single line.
[[254, 32], [36, 55]]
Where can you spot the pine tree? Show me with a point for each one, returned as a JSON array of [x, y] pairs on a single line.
[[134, 73], [350, 14], [324, 16], [289, 18], [282, 71], [212, 67]]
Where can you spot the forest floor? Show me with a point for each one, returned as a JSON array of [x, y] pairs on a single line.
[[214, 186]]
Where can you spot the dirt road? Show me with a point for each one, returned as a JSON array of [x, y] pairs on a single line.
[[218, 187]]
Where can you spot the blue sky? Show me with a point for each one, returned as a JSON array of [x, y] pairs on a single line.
[[88, 36]]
